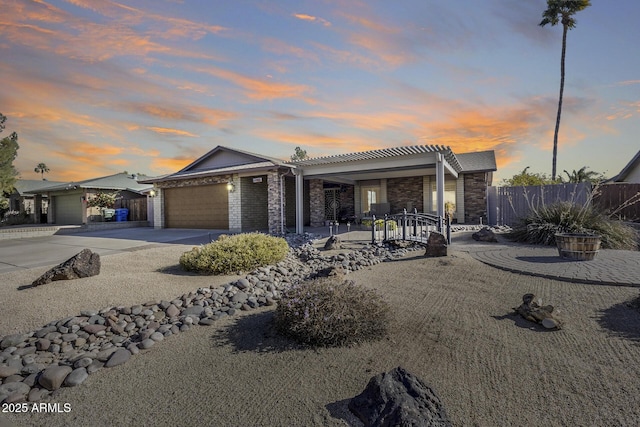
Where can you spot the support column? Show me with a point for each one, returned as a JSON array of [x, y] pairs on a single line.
[[440, 185], [299, 201], [37, 208], [158, 208], [235, 205], [51, 216]]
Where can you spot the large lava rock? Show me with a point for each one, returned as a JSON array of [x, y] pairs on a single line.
[[485, 235], [332, 243], [398, 398], [84, 264], [436, 245]]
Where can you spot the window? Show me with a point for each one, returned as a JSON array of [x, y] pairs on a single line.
[[370, 195], [449, 193]]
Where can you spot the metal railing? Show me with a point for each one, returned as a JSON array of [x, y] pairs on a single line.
[[413, 227]]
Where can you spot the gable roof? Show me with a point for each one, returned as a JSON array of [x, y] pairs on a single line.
[[634, 163], [222, 161], [120, 181]]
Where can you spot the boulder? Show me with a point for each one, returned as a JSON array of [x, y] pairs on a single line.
[[84, 264], [398, 398], [534, 311], [332, 243], [436, 245], [484, 235], [53, 377]]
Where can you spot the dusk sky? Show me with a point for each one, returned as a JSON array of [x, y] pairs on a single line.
[[95, 87]]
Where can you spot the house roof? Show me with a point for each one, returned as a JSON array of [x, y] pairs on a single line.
[[634, 163], [221, 161], [120, 181], [478, 162], [224, 160], [23, 186]]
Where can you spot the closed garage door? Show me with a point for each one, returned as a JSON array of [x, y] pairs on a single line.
[[68, 209], [204, 206]]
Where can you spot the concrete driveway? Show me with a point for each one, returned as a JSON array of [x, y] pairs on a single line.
[[17, 254]]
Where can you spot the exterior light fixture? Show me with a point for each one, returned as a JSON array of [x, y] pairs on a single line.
[[152, 193], [231, 187]]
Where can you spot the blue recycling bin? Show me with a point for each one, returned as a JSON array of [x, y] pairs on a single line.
[[121, 214]]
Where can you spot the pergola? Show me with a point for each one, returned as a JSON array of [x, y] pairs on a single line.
[[393, 162]]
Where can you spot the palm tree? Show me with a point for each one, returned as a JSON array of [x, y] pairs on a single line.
[[561, 11], [582, 175], [41, 169]]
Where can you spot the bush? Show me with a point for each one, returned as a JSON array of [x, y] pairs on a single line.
[[16, 218], [380, 224], [328, 312], [232, 254], [542, 223]]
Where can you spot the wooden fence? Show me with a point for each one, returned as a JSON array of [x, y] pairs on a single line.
[[505, 205], [137, 208], [620, 200]]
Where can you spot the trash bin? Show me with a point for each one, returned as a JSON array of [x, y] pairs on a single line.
[[121, 214], [108, 214]]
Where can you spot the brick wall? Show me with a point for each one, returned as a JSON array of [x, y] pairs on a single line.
[[475, 198], [402, 192], [255, 213]]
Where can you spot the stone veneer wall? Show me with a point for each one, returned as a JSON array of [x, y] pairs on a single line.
[[316, 202], [274, 203], [347, 200], [255, 214], [402, 192], [475, 198]]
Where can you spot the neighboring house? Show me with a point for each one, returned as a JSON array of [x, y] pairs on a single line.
[[234, 190], [23, 200], [68, 201], [630, 173]]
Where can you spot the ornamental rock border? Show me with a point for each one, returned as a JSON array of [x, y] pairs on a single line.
[[65, 352]]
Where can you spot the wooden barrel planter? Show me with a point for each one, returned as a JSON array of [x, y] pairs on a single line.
[[578, 246]]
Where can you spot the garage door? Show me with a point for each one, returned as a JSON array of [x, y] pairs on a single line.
[[68, 209], [203, 206]]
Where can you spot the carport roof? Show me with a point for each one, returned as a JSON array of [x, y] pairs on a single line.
[[120, 181]]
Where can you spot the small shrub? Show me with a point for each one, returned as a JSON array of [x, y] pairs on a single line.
[[542, 223], [380, 223], [328, 312], [16, 218], [231, 254]]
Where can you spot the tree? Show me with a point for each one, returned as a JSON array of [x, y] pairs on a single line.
[[41, 169], [561, 11], [584, 175], [8, 153], [525, 178], [300, 154]]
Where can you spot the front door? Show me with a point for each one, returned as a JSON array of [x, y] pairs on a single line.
[[331, 204]]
